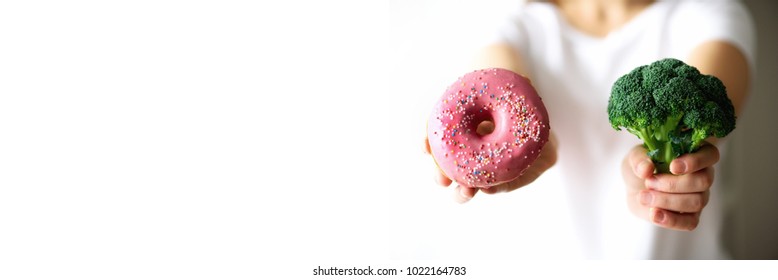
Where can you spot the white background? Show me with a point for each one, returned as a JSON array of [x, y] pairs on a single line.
[[229, 139]]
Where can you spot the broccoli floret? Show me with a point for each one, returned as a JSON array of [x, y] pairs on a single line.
[[671, 107]]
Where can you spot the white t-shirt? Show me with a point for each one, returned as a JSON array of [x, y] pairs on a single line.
[[574, 72]]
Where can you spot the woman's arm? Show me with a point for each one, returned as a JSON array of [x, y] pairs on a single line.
[[501, 56], [726, 62]]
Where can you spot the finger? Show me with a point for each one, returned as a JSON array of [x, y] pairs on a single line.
[[684, 203], [464, 194], [495, 189], [545, 161], [633, 183], [706, 156], [641, 164], [441, 178], [529, 176], [699, 181], [674, 220]]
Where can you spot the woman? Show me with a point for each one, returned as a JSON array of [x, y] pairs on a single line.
[[573, 51]]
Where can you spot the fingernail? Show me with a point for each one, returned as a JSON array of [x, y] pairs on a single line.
[[680, 167], [659, 216], [646, 198], [643, 166], [639, 167], [462, 191]]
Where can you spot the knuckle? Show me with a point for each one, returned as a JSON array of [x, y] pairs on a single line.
[[715, 153], [545, 163], [551, 158], [491, 190], [688, 222], [694, 204], [692, 162], [705, 180], [705, 199], [692, 225]]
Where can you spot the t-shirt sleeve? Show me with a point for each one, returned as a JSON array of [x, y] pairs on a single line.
[[517, 29], [700, 21], [512, 31]]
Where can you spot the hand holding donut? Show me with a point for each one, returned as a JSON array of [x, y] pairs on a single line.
[[547, 159], [489, 131]]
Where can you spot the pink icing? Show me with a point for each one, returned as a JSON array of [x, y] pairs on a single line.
[[521, 128]]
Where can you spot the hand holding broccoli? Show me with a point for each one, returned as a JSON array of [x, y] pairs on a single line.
[[675, 200], [673, 109]]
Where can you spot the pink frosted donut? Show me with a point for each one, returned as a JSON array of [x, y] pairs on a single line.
[[520, 120]]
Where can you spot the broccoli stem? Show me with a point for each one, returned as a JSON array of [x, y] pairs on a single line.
[[664, 157], [662, 167], [670, 126], [664, 143], [645, 135]]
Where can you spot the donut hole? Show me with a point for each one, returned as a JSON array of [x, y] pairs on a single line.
[[485, 127]]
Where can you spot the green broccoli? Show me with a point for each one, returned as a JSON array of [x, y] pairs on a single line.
[[671, 107]]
